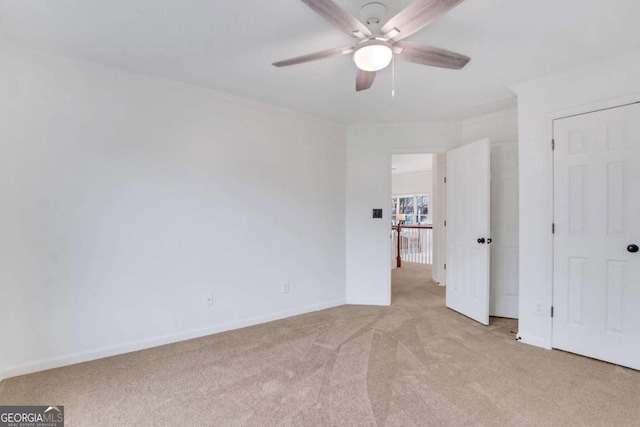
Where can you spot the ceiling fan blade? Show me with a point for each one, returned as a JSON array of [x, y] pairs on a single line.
[[364, 79], [415, 17], [432, 56], [314, 56], [339, 17]]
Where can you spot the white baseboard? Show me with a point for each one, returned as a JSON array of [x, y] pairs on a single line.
[[361, 301], [86, 356], [532, 340]]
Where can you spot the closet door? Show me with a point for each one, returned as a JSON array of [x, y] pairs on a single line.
[[596, 292]]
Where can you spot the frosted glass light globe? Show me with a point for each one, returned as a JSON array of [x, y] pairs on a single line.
[[373, 55]]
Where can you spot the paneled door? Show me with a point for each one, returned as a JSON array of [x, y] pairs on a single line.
[[468, 226], [596, 290]]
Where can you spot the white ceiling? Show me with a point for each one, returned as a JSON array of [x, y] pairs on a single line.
[[411, 163], [228, 46]]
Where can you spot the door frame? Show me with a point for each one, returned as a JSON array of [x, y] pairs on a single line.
[[565, 114], [551, 117], [390, 153]]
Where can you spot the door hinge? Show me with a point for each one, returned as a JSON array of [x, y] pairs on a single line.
[[445, 266], [553, 144], [445, 179], [551, 311], [553, 228], [445, 222]]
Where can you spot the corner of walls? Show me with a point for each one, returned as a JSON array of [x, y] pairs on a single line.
[[501, 126], [601, 85], [368, 182], [118, 191]]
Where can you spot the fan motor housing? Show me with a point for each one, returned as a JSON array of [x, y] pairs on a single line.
[[373, 15]]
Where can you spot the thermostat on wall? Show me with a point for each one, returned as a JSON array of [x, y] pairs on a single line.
[[377, 213]]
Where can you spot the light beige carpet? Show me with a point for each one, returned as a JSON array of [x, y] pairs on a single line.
[[413, 364]]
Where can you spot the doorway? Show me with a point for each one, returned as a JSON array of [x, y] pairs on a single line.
[[411, 200], [504, 227], [411, 207]]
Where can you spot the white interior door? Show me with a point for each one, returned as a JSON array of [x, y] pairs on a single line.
[[468, 225], [504, 230], [596, 292]]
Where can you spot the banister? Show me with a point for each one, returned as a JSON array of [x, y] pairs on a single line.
[[424, 241]]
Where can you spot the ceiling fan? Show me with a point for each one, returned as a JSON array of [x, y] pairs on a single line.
[[375, 51]]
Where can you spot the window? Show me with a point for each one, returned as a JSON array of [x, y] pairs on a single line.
[[415, 207]]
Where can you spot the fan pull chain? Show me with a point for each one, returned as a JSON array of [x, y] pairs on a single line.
[[393, 76]]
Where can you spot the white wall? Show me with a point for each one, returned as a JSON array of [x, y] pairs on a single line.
[[412, 183], [602, 85], [499, 127], [502, 129], [504, 229], [369, 150], [125, 199]]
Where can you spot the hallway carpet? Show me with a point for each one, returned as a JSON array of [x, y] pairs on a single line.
[[415, 363]]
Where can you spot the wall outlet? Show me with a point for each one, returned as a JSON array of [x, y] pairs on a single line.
[[208, 299], [539, 308], [285, 287]]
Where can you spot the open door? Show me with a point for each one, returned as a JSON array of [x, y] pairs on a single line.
[[468, 225]]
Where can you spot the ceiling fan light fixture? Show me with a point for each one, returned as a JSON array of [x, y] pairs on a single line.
[[373, 55]]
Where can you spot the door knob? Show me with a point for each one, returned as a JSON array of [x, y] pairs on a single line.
[[481, 240], [632, 248]]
